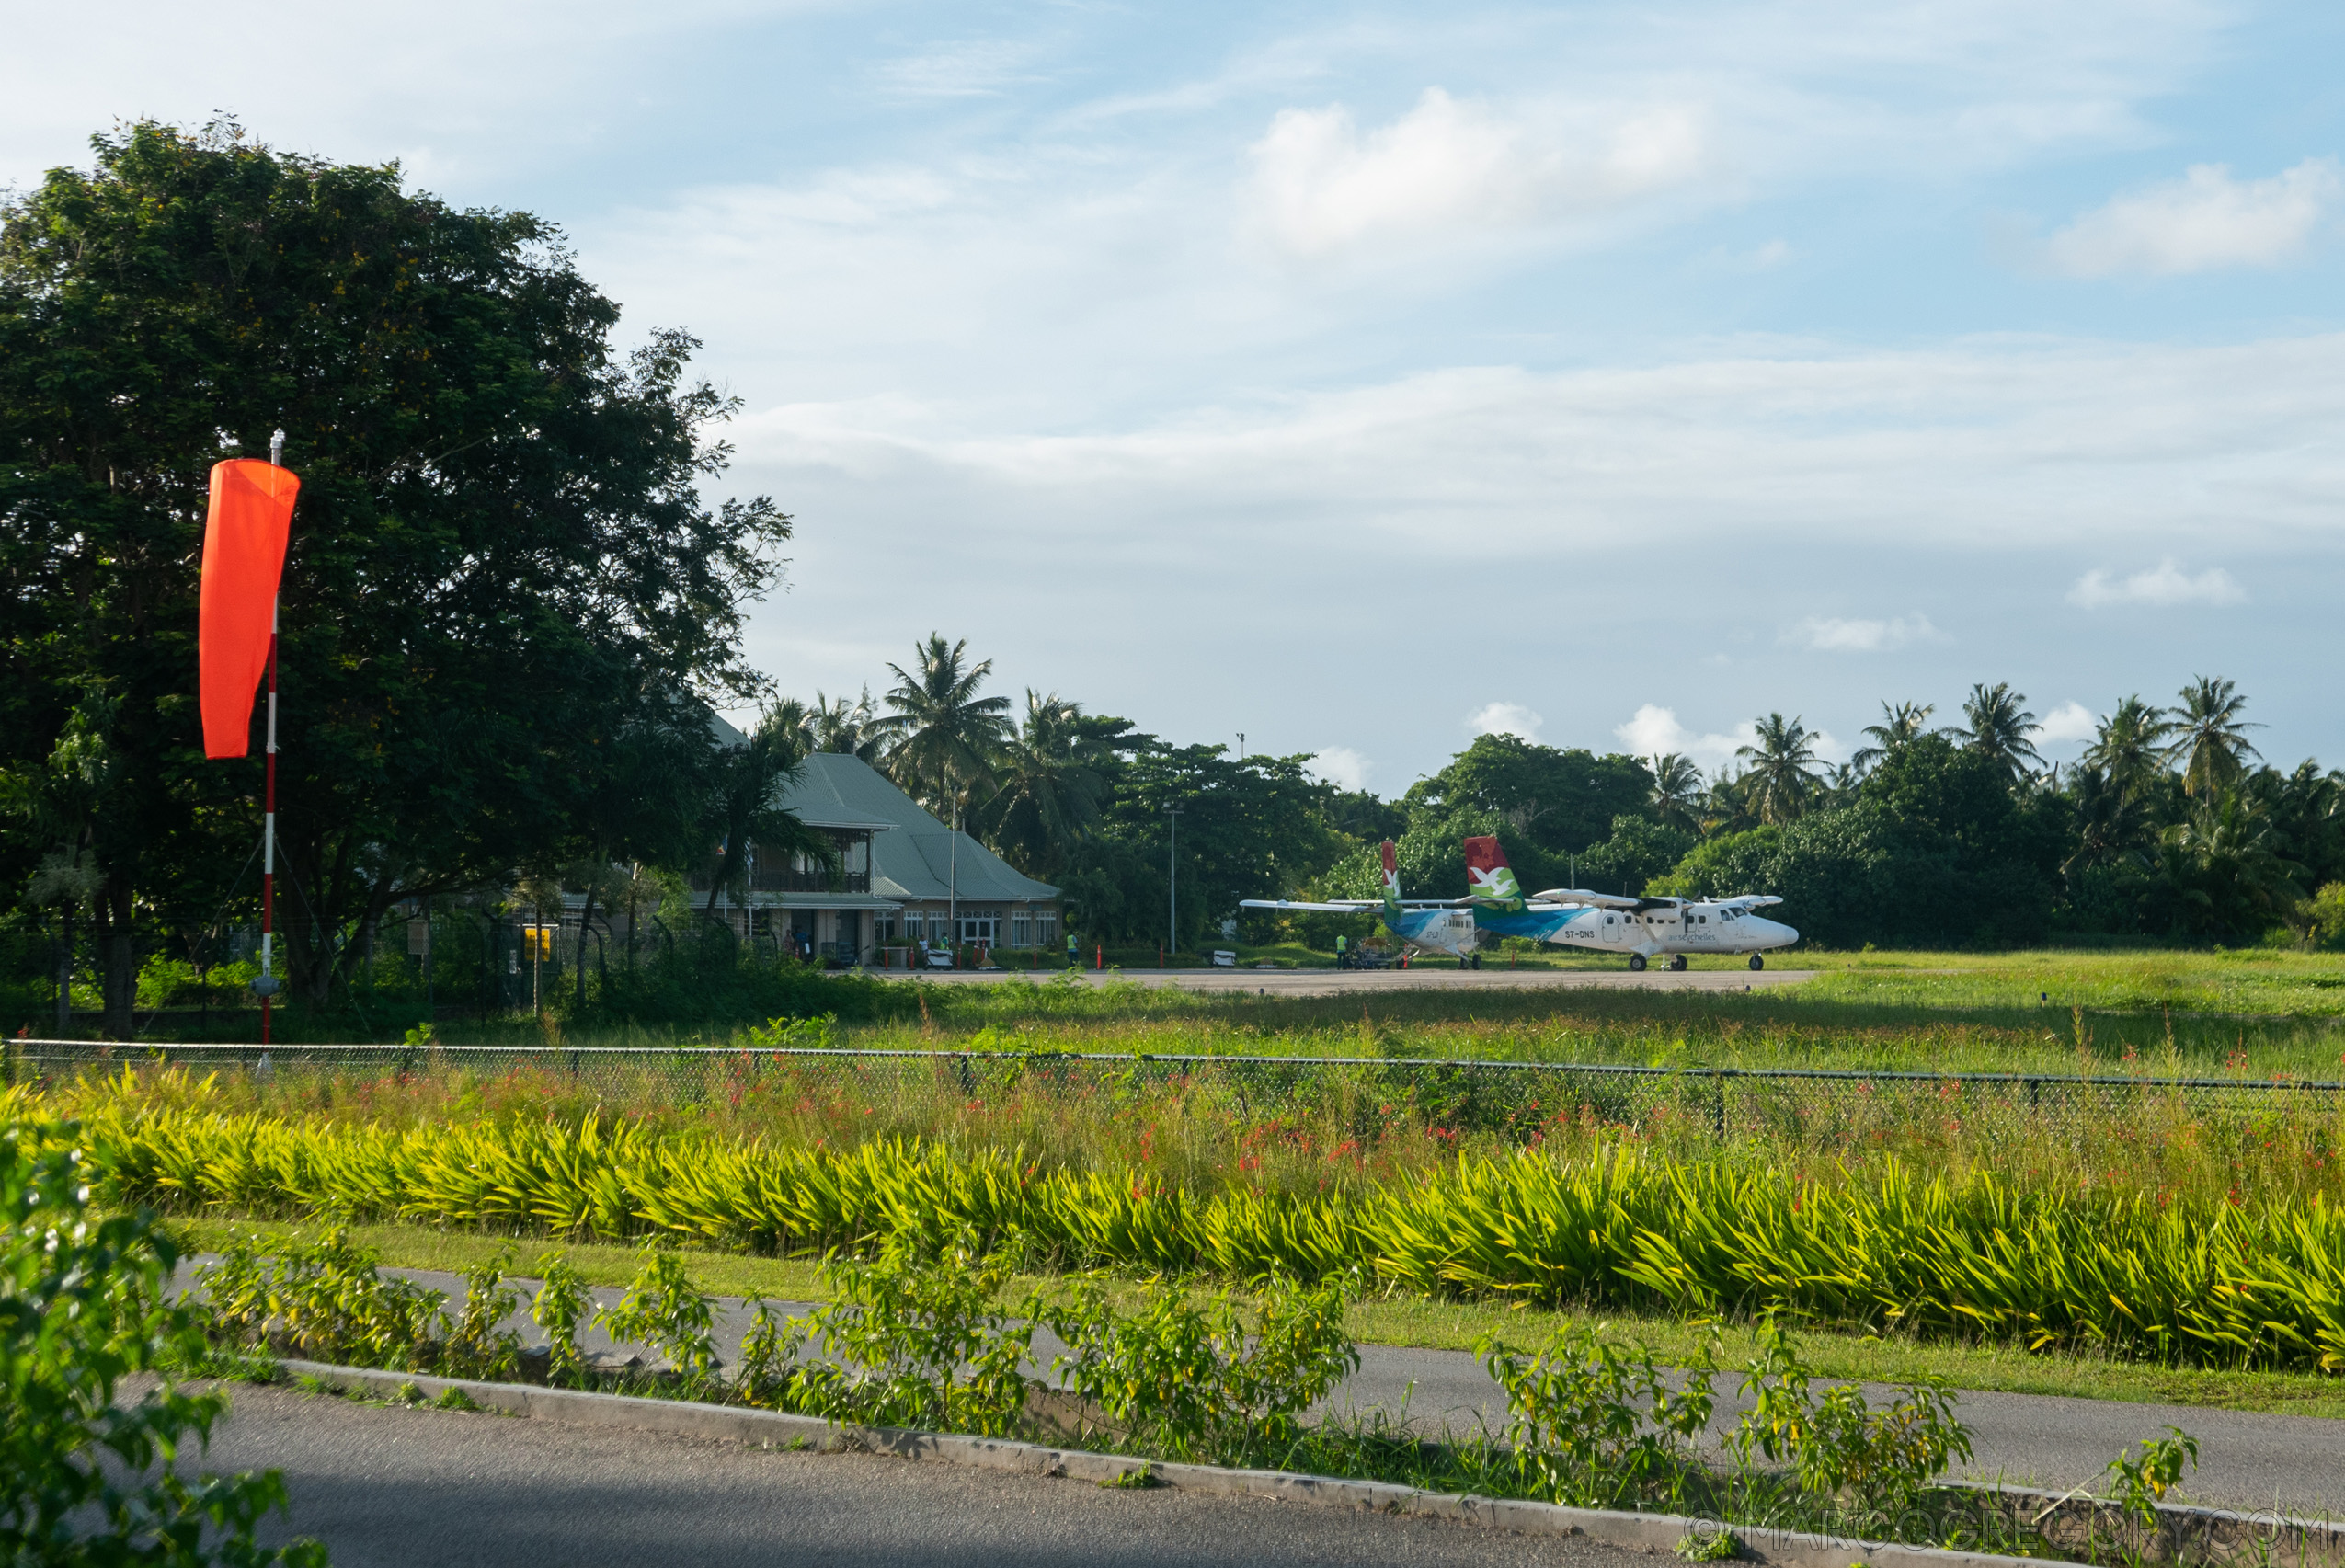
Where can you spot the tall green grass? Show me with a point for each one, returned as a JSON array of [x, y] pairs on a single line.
[[2163, 1276]]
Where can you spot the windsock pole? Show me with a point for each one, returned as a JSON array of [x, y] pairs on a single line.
[[269, 802]]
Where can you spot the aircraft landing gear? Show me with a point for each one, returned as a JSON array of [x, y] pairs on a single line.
[[1637, 962], [1477, 961], [1676, 961], [1757, 962]]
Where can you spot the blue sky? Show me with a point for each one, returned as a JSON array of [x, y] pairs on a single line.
[[1356, 377]]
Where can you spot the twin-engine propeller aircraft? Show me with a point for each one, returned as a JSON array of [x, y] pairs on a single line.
[[1445, 925], [1607, 922]]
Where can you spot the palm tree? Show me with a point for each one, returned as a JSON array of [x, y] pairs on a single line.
[[745, 809], [1047, 795], [2112, 821], [943, 736], [2128, 746], [1677, 791], [844, 727], [2209, 737], [1998, 728], [1899, 728], [1783, 768], [2229, 854]]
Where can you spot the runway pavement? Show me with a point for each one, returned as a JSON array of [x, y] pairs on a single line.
[[389, 1486], [2295, 1464], [1434, 975]]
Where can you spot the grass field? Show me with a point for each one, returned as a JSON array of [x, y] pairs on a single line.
[[1341, 1137]]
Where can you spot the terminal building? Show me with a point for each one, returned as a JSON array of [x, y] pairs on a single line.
[[902, 878]]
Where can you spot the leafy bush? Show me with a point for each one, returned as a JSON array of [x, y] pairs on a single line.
[[476, 1347], [918, 1342], [1838, 1447], [1595, 1422], [661, 1309], [1191, 1381], [561, 1306], [84, 1304], [326, 1300]]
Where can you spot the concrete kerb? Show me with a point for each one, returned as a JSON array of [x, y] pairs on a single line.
[[1659, 1533]]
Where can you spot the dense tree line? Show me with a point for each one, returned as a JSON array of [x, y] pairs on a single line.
[[2169, 827]]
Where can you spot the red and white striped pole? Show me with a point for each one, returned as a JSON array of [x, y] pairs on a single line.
[[267, 987]]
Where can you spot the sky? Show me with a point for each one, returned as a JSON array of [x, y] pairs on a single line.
[[1355, 379]]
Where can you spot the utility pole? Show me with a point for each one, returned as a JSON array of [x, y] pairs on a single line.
[[1172, 883]]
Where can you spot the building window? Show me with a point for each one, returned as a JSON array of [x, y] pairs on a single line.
[[1047, 927], [1020, 929]]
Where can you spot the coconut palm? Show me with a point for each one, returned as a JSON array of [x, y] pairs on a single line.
[[2112, 821], [847, 727], [2227, 853], [1677, 791], [746, 809], [1047, 795], [1998, 729], [943, 738], [2210, 738], [2130, 746], [1783, 768], [1900, 726]]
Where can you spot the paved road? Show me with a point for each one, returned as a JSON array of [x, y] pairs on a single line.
[[394, 1486], [1434, 975], [2246, 1461]]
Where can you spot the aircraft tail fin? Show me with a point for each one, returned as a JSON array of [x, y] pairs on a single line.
[[1489, 879], [1392, 878]]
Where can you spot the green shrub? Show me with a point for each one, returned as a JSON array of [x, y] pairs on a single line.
[[1193, 1381], [918, 1342], [84, 1305], [1597, 1423], [661, 1309], [561, 1306]]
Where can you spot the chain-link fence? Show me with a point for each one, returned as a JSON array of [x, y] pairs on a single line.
[[1811, 1106]]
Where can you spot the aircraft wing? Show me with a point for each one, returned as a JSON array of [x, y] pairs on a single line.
[[1582, 897], [1340, 907], [1750, 900]]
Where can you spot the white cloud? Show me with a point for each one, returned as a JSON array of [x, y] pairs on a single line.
[[1321, 185], [2070, 721], [1823, 635], [1506, 718], [2205, 221], [1977, 445], [2164, 584], [1654, 731], [1342, 766]]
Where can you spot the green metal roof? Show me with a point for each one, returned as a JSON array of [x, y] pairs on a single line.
[[915, 857]]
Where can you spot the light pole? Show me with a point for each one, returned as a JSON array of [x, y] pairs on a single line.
[[1172, 883]]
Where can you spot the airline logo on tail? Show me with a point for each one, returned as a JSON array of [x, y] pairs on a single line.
[[1489, 879], [1391, 879]]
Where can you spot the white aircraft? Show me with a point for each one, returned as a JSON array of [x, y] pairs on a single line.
[[1445, 925], [1607, 922]]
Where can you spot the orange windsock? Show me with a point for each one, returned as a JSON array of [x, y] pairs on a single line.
[[244, 554]]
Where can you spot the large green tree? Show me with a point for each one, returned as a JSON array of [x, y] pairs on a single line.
[[1561, 800], [502, 574]]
